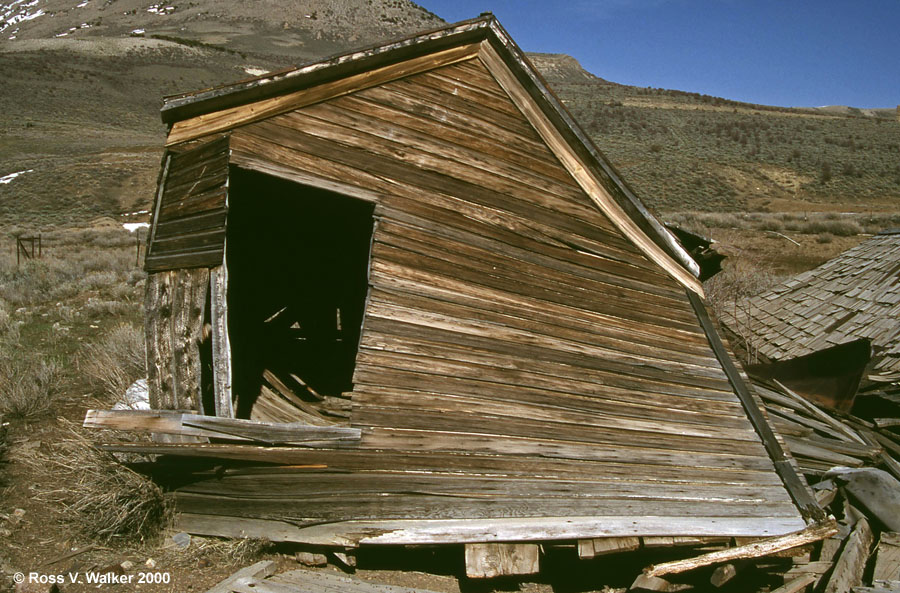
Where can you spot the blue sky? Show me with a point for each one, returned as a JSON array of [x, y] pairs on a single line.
[[788, 52]]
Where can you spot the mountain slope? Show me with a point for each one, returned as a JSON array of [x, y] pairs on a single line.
[[84, 80]]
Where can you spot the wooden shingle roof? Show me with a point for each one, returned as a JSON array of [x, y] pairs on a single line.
[[855, 295]]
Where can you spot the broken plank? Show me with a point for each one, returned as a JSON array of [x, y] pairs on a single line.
[[851, 564], [489, 560], [724, 574], [171, 422], [669, 541], [796, 585], [887, 558], [758, 549], [647, 583], [590, 548], [320, 581], [261, 569]]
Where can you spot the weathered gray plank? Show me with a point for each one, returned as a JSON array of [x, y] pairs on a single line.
[[261, 569], [491, 560], [172, 422], [224, 398], [850, 565]]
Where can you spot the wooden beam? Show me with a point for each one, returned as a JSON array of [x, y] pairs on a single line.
[[489, 560], [456, 531], [600, 546], [851, 564], [180, 423], [758, 549]]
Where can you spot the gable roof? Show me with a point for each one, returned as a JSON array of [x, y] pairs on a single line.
[[194, 115], [855, 295]]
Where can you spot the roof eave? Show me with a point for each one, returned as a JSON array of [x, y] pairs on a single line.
[[185, 106]]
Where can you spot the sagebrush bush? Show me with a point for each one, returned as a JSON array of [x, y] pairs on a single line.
[[29, 385], [116, 361], [102, 499]]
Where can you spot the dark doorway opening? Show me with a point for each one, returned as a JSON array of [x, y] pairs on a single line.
[[297, 259]]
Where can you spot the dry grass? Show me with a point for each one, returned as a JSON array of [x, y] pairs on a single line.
[[116, 361], [101, 499], [804, 223]]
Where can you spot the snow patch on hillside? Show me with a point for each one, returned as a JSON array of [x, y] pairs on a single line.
[[8, 178], [18, 11]]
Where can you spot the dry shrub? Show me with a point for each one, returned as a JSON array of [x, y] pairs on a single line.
[[4, 443], [116, 361], [100, 498], [28, 385], [840, 228], [740, 279]]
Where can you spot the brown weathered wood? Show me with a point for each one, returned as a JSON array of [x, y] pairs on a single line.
[[797, 584], [724, 574], [670, 541], [310, 413], [485, 561], [829, 549], [645, 582], [887, 558], [850, 565], [234, 116], [590, 548], [754, 550]]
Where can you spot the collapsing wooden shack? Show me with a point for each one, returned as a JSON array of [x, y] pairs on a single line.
[[398, 296]]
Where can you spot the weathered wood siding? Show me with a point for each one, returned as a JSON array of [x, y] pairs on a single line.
[[189, 214], [174, 302]]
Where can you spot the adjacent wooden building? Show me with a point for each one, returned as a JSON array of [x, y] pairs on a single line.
[[441, 315], [854, 296]]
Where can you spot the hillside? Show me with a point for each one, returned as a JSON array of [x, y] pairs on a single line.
[[84, 79], [686, 151]]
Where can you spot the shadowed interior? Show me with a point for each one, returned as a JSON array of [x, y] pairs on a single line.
[[297, 261]]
